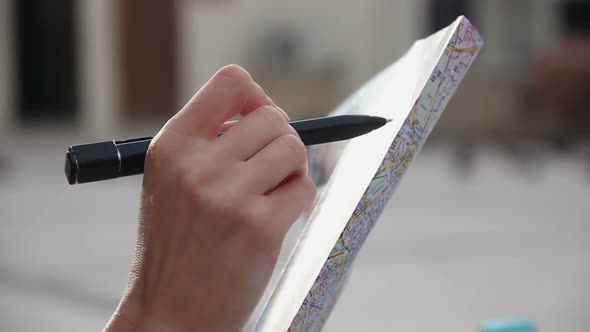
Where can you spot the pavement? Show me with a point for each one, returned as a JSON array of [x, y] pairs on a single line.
[[455, 247]]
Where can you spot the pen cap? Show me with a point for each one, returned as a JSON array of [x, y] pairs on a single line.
[[92, 162]]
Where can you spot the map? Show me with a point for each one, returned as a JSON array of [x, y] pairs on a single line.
[[441, 61]]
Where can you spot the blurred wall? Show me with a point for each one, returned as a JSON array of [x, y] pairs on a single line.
[[328, 49], [356, 38], [514, 31], [363, 36], [99, 78], [495, 101]]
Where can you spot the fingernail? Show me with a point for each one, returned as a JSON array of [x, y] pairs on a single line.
[[284, 113]]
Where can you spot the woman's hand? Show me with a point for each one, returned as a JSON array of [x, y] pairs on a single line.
[[214, 210]]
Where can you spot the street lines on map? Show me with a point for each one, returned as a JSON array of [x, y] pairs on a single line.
[[470, 50]]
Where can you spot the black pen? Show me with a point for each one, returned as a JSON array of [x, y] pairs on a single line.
[[113, 159]]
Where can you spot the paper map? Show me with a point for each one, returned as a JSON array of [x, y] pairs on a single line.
[[364, 173]]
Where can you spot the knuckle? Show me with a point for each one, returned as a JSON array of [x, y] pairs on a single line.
[[234, 72], [223, 203], [249, 218], [206, 162], [184, 169], [193, 183], [200, 196], [272, 116], [293, 132], [189, 187], [309, 188], [261, 235], [157, 154], [256, 225], [294, 147]]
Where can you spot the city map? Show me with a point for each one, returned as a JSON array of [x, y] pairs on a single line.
[[349, 205]]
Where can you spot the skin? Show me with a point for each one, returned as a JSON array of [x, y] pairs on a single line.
[[214, 210]]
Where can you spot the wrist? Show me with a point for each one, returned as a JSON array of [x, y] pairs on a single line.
[[128, 317], [134, 314], [131, 316]]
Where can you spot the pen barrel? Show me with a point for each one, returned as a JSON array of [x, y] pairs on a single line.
[[133, 156], [343, 133], [113, 159], [344, 127], [92, 162], [105, 160]]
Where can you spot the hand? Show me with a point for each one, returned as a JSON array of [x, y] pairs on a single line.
[[214, 210]]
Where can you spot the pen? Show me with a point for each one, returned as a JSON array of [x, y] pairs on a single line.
[[113, 159]]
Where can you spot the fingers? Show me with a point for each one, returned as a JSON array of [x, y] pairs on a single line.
[[280, 159], [291, 199], [227, 126], [255, 131], [229, 92]]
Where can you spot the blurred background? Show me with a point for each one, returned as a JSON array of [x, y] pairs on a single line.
[[492, 220]]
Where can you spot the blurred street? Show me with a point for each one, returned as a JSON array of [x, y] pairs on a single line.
[[501, 239], [492, 220]]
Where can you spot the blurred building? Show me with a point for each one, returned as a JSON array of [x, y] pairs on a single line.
[[103, 63]]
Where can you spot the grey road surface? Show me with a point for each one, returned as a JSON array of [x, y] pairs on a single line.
[[454, 247]]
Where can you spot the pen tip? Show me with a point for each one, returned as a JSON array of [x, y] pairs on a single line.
[[388, 120]]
